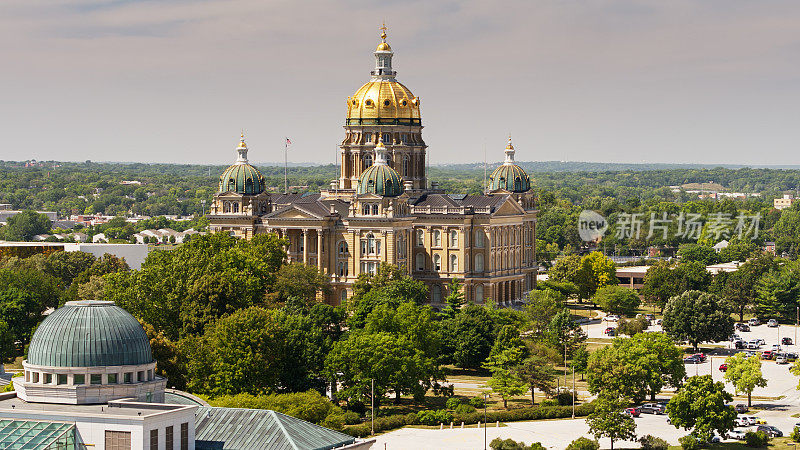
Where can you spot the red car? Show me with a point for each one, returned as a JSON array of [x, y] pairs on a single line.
[[723, 367], [610, 331], [633, 412], [700, 356], [766, 354]]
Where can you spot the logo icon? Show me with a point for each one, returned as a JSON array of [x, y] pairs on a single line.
[[591, 225]]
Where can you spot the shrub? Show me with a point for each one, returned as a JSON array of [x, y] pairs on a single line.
[[795, 435], [549, 402], [564, 398], [633, 326], [756, 439], [464, 409], [434, 417], [510, 444], [358, 431], [477, 402], [650, 442], [351, 418], [583, 443], [411, 419], [453, 402], [334, 422], [310, 406], [689, 442]]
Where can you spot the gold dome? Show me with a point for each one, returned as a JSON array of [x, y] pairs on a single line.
[[383, 47], [383, 102]]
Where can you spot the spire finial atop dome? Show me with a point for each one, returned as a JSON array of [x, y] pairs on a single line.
[[383, 31], [509, 151], [241, 150], [380, 153]]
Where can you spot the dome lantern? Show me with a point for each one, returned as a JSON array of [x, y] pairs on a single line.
[[509, 176], [383, 60]]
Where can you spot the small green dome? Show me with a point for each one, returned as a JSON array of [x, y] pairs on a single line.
[[242, 178], [382, 180], [89, 334], [510, 177]]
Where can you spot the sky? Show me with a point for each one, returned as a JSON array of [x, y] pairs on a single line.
[[713, 81]]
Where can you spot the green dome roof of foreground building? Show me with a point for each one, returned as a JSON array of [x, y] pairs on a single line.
[[509, 176], [88, 334], [241, 177], [380, 179]]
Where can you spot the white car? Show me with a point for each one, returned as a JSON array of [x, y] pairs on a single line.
[[776, 348], [781, 360], [753, 345], [612, 318], [736, 434]]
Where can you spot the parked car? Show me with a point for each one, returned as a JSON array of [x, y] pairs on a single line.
[[650, 316], [723, 367], [740, 344], [612, 318], [741, 408], [776, 348], [701, 356], [754, 322], [790, 356], [736, 434], [692, 360], [772, 323], [770, 430], [610, 331], [786, 341], [633, 412], [652, 408], [742, 327], [781, 360], [766, 354], [752, 345], [658, 321], [749, 353], [751, 420], [760, 341]]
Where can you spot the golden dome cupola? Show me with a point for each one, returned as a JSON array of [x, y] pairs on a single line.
[[383, 60]]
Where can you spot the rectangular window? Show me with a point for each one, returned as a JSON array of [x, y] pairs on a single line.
[[367, 137], [150, 375], [420, 238], [169, 438], [96, 378], [61, 378], [35, 377], [79, 378], [185, 436], [140, 376], [128, 377], [153, 439], [27, 377], [111, 378], [48, 378], [118, 440]]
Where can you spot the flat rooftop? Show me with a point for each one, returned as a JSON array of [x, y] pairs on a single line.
[[117, 408]]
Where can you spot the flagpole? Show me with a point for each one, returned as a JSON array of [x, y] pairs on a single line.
[[286, 166]]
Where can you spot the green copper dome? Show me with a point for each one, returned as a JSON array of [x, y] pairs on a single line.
[[89, 334], [241, 178], [382, 180], [510, 177]]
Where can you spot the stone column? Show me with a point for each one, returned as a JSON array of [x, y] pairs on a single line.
[[356, 254], [319, 250], [305, 246]]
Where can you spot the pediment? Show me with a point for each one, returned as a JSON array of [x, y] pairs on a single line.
[[293, 212], [509, 208]]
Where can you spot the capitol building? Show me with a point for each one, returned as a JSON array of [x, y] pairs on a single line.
[[383, 209]]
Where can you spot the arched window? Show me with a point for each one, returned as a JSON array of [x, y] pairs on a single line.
[[517, 184], [342, 248], [405, 166], [387, 138], [437, 263], [236, 207], [437, 238], [436, 293], [479, 262], [342, 268], [453, 238], [420, 238], [365, 210], [343, 296], [479, 238], [226, 207], [420, 261], [453, 263], [367, 160], [370, 245], [374, 210], [478, 293]]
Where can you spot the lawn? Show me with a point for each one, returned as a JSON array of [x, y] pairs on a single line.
[[782, 442]]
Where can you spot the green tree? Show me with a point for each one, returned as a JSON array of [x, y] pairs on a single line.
[[564, 333], [455, 296], [583, 443], [635, 367], [243, 352], [787, 231], [741, 286], [508, 337], [702, 405], [301, 281], [608, 420], [504, 380], [617, 300], [692, 276], [468, 337], [565, 270], [388, 286], [580, 360], [25, 294], [659, 284], [537, 373], [697, 317], [745, 374], [738, 251], [25, 225], [595, 272], [697, 252], [542, 305], [778, 292]]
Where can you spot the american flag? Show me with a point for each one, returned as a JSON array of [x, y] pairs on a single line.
[[288, 142]]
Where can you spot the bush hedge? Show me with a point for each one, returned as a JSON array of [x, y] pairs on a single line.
[[583, 443], [511, 415], [756, 439]]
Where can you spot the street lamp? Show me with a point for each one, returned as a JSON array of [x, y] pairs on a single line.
[[485, 398]]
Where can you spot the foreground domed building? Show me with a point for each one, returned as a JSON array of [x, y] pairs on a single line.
[[90, 381], [382, 207]]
